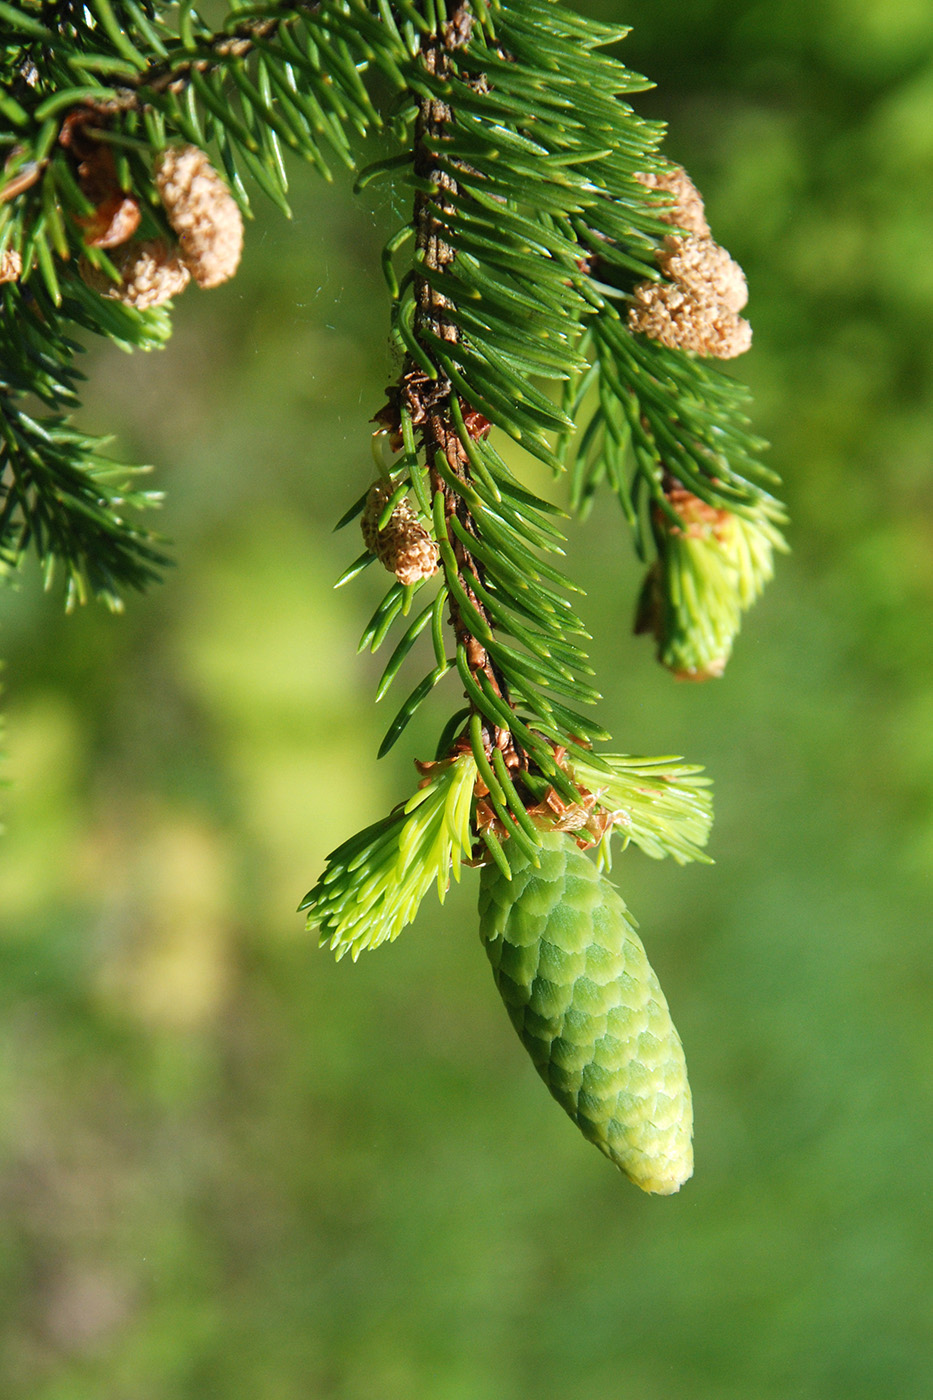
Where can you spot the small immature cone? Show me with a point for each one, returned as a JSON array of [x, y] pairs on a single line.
[[151, 273], [588, 1007], [404, 546], [203, 213]]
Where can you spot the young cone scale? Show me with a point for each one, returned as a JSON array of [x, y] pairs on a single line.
[[588, 1007]]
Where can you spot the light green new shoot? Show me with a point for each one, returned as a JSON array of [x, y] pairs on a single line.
[[374, 883], [661, 805]]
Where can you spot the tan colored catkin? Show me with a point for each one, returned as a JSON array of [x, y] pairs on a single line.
[[697, 307], [675, 316], [686, 210], [202, 212]]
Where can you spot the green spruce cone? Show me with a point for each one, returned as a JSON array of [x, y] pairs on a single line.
[[588, 1007]]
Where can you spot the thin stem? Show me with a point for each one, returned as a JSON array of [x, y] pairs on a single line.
[[429, 401]]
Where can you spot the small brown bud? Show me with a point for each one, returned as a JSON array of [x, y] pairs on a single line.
[[404, 546], [698, 519], [686, 211], [150, 273], [202, 212], [11, 265], [475, 423]]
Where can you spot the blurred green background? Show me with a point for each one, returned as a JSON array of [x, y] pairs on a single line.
[[230, 1168]]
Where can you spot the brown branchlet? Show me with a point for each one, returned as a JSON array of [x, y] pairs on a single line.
[[202, 212], [697, 307], [403, 546]]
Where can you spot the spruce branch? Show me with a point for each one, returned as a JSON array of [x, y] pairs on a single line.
[[556, 291], [661, 805]]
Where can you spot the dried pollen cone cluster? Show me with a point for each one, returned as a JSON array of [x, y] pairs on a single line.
[[403, 545], [202, 213], [697, 307], [11, 265], [686, 210], [151, 273]]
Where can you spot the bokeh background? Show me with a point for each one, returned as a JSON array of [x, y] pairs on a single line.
[[230, 1168]]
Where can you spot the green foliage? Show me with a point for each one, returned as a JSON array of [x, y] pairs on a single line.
[[279, 77], [531, 232], [666, 413], [529, 227], [707, 572], [332, 1180], [63, 497], [520, 178], [60, 495], [538, 169]]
